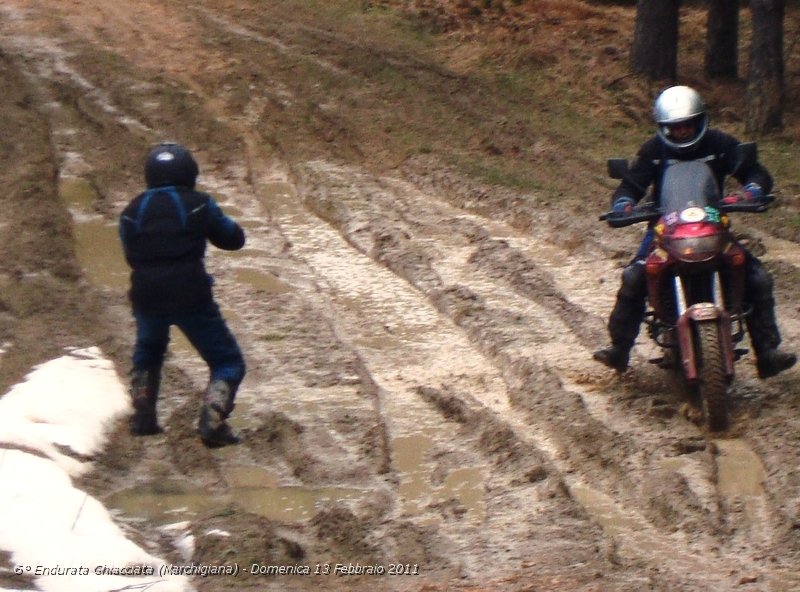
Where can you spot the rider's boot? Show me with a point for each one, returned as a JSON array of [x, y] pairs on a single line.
[[762, 325], [625, 319], [213, 429], [773, 361], [765, 337], [144, 396], [615, 357]]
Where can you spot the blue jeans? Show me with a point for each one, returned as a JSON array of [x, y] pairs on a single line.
[[206, 330], [644, 246]]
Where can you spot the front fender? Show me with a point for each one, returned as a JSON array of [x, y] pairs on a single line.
[[704, 313]]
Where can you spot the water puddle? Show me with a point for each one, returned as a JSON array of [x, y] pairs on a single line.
[[417, 489], [76, 193], [249, 477], [100, 254], [162, 501], [96, 240], [291, 504], [253, 489], [740, 477], [280, 199], [257, 490], [262, 280], [616, 523]]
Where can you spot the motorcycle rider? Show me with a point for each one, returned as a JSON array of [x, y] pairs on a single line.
[[683, 133], [164, 232]]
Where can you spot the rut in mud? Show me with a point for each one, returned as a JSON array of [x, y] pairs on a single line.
[[420, 387]]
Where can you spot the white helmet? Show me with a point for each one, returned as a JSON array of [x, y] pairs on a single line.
[[680, 104]]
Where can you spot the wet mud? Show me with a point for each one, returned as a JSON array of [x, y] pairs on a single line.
[[420, 389]]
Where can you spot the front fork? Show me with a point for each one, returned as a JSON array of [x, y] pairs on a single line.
[[688, 317], [704, 312]]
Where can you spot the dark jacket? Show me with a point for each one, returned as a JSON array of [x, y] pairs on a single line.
[[716, 148], [164, 233]]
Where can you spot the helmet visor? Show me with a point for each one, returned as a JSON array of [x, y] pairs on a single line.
[[683, 133]]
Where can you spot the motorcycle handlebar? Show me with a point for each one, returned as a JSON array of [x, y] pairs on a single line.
[[616, 221]]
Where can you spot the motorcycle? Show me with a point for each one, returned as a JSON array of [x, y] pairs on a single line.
[[695, 279]]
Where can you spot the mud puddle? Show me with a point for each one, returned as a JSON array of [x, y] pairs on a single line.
[[465, 484], [740, 480], [257, 490], [96, 239], [262, 280], [251, 489]]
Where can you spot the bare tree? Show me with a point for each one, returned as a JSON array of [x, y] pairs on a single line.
[[722, 39], [765, 82], [654, 52]]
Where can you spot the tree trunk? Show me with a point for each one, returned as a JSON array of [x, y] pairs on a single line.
[[654, 52], [765, 83], [722, 39]]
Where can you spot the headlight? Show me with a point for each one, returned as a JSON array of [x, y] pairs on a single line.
[[696, 248]]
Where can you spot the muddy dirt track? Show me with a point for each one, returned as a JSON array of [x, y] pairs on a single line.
[[420, 387]]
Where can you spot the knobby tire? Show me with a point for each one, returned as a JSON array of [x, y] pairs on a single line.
[[713, 387]]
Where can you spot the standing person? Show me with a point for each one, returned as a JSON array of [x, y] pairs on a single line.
[[164, 232], [682, 133]]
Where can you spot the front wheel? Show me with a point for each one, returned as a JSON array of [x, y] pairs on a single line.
[[713, 384]]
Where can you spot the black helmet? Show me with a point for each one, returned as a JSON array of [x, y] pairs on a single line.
[[170, 164]]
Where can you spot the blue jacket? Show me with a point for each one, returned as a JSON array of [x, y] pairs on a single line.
[[164, 232]]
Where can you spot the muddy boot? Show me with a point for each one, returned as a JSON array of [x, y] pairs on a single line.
[[625, 318], [773, 361], [213, 429], [615, 357], [144, 395], [765, 337]]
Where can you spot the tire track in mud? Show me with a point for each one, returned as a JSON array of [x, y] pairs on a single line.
[[371, 342], [374, 342], [730, 460], [745, 514], [415, 437], [423, 245], [299, 364], [409, 349]]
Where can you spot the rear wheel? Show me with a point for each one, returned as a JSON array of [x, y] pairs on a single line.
[[713, 386]]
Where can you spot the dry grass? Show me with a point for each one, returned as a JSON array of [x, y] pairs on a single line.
[[579, 51], [531, 94]]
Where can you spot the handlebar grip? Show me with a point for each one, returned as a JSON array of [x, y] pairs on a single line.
[[755, 208], [629, 219]]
